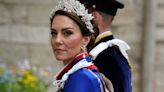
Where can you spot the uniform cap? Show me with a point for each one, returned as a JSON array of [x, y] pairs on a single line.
[[107, 6]]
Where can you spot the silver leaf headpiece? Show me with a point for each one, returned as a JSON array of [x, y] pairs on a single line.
[[77, 8]]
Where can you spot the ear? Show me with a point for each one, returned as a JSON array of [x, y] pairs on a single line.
[[96, 15], [86, 40]]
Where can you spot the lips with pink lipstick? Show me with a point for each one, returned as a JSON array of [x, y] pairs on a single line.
[[58, 50]]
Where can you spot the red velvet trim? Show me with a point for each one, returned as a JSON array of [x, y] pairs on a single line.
[[71, 64], [93, 67]]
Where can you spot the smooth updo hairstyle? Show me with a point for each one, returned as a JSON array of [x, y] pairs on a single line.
[[84, 30]]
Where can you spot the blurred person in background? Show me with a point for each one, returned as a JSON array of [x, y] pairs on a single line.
[[110, 54]]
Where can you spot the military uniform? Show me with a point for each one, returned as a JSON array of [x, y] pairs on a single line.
[[109, 56]]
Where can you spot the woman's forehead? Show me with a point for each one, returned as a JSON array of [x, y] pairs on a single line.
[[64, 22]]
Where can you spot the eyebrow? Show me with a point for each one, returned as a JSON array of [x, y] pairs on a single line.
[[52, 29]]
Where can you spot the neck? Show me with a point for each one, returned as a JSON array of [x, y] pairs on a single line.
[[103, 27], [70, 60], [67, 61]]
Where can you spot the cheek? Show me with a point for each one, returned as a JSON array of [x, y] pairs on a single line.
[[52, 43], [74, 45]]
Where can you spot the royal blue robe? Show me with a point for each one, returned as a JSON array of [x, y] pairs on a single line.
[[86, 79]]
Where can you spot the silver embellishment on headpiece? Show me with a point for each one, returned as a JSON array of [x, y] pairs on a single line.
[[77, 8]]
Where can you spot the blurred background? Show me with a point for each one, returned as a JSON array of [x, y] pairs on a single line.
[[24, 41]]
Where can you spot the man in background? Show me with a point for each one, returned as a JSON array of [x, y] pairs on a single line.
[[109, 54]]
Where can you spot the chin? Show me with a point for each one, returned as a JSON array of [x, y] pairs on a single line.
[[59, 59]]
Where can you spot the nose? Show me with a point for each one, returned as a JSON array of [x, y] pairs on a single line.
[[58, 39]]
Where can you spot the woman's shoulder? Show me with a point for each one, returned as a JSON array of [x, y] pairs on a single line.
[[87, 79], [86, 74]]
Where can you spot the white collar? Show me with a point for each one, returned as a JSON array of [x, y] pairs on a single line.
[[59, 84], [123, 47]]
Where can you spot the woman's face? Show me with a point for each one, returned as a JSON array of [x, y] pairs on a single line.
[[66, 38]]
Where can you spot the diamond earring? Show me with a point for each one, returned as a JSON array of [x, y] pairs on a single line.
[[83, 48]]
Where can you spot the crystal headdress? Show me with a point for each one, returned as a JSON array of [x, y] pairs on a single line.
[[77, 8]]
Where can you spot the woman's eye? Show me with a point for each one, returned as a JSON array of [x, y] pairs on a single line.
[[67, 33], [53, 33]]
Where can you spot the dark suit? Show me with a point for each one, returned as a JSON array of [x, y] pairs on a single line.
[[114, 66]]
